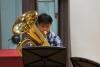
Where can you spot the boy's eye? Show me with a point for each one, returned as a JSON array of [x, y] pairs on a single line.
[[42, 26]]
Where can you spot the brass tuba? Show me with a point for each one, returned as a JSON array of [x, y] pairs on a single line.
[[26, 24]]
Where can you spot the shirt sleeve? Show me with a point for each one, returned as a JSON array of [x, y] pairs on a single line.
[[54, 40], [57, 41]]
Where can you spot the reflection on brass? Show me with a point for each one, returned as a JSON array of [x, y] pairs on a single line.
[[26, 23]]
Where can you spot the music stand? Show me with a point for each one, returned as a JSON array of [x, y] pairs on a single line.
[[44, 57]]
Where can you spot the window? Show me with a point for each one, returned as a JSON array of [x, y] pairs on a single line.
[[50, 7]]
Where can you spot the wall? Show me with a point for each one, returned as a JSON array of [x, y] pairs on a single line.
[[10, 9], [85, 28]]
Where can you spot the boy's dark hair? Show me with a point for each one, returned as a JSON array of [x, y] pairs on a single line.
[[44, 18]]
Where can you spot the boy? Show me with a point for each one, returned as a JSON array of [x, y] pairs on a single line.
[[44, 23]]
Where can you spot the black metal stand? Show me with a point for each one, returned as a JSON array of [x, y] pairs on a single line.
[[44, 57]]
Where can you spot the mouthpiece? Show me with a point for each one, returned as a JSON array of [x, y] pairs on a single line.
[[45, 32]]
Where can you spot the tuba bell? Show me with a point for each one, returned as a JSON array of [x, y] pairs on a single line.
[[26, 24]]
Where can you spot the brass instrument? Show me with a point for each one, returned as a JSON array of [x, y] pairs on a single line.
[[27, 24]]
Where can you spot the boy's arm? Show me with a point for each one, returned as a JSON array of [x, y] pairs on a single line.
[[58, 41]]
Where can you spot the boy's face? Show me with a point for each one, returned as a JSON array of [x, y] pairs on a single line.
[[44, 27]]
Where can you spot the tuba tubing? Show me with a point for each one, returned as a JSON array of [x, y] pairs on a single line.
[[26, 23]]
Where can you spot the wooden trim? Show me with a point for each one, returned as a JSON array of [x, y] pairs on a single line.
[[28, 5], [64, 26]]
